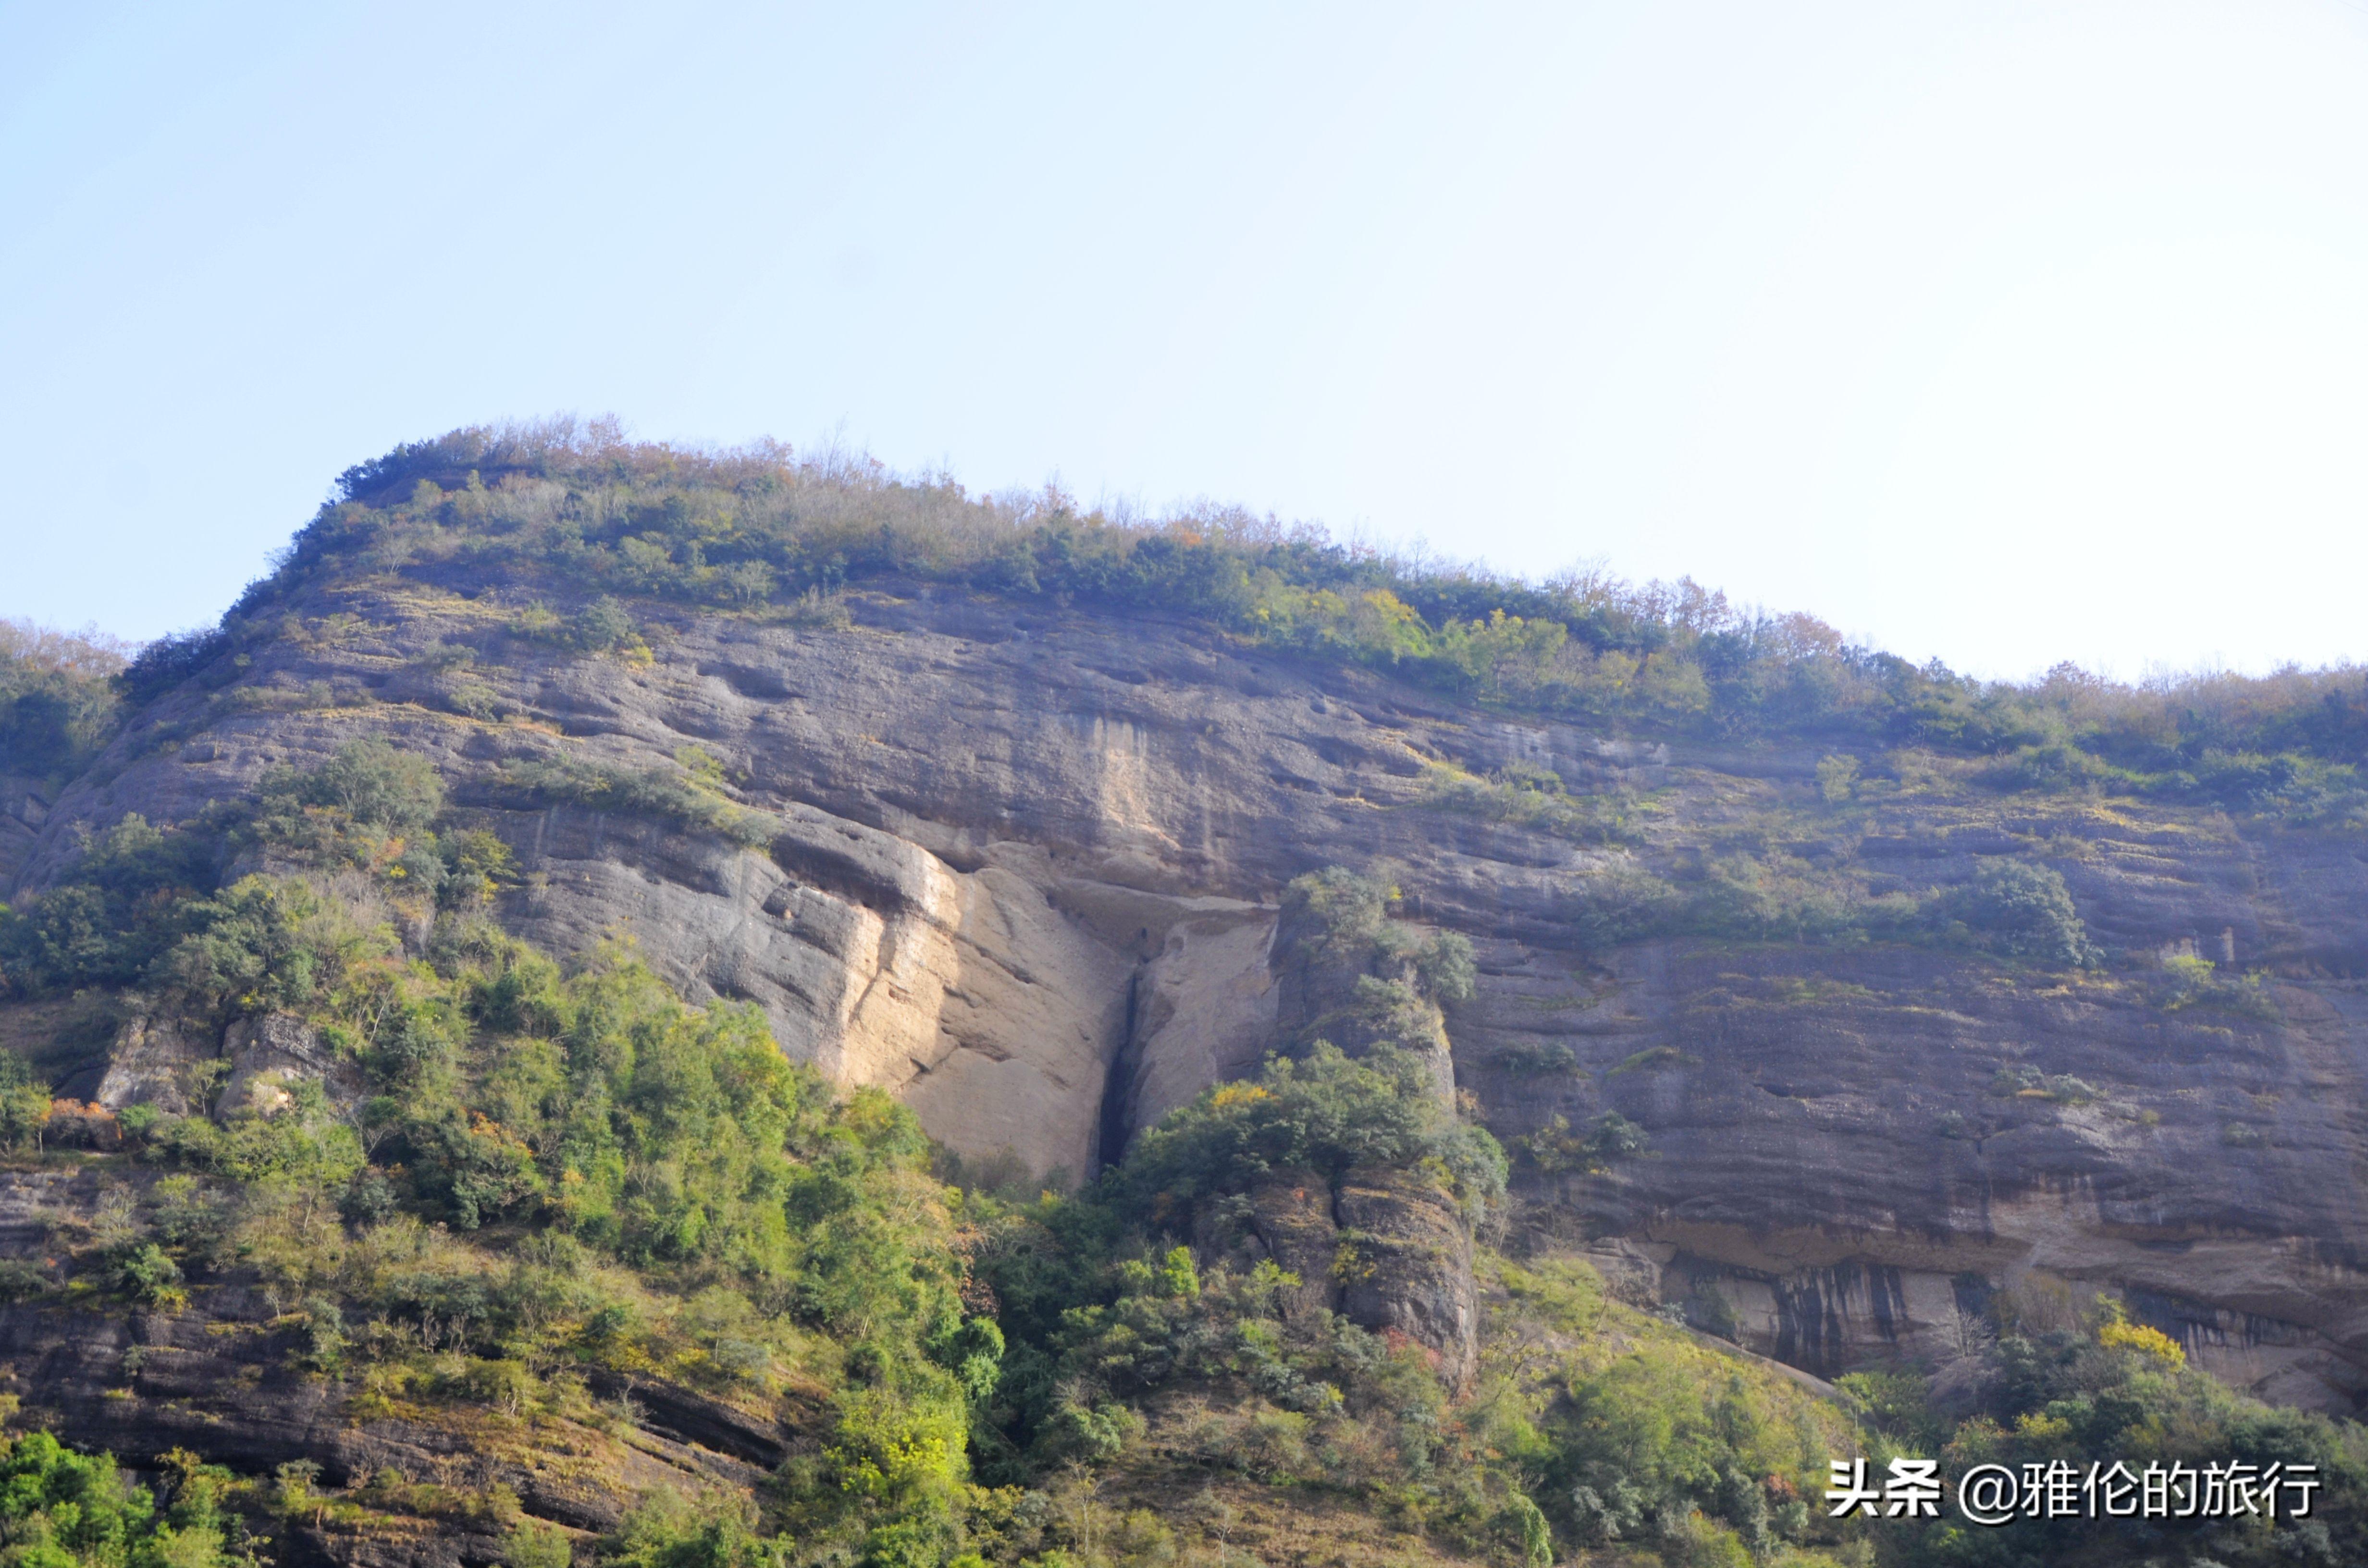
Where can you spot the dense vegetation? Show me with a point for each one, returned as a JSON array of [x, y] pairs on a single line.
[[559, 511], [63, 1509], [57, 697], [758, 530]]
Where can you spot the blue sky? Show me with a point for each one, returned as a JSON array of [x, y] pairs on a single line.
[[2004, 333]]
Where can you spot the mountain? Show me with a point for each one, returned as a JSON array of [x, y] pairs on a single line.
[[658, 1003]]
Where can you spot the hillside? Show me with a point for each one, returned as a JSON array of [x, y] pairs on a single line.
[[682, 1006]]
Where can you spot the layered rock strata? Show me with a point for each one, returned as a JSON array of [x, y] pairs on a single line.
[[1028, 873]]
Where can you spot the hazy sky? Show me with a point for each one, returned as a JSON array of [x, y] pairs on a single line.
[[2005, 333]]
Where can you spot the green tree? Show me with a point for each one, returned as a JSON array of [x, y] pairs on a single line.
[[2025, 911]]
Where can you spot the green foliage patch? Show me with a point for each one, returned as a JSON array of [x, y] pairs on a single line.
[[760, 530], [57, 697], [689, 797], [2014, 909], [1533, 798], [2046, 1381], [1326, 1114], [61, 1509], [146, 906], [523, 1172]]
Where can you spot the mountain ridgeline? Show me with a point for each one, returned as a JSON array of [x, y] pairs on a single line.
[[697, 1009]]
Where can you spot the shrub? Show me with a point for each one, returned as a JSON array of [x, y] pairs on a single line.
[[2149, 1343], [59, 1507], [171, 660], [24, 1107], [2057, 767], [2195, 981], [2025, 911], [1327, 1113], [112, 913], [1556, 1150], [531, 1543], [1621, 904], [57, 702], [21, 1280], [1538, 1057], [675, 797], [818, 611], [1528, 797], [603, 627], [142, 1271], [366, 783], [669, 1530]]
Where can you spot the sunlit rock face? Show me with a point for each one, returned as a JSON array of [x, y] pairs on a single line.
[[1028, 873]]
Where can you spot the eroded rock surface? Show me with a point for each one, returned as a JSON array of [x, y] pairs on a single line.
[[1028, 873]]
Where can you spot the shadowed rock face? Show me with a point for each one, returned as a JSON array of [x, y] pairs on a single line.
[[1406, 1267], [1027, 876], [1388, 1251]]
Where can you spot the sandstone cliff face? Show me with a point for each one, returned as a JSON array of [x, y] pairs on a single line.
[[1028, 871]]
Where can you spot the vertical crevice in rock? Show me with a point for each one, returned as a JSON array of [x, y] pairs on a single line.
[[1118, 1087]]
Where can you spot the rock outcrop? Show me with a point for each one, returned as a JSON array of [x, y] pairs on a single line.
[[1388, 1250], [1387, 1246], [1027, 871]]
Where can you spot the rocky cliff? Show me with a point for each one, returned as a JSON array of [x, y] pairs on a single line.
[[1022, 865]]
